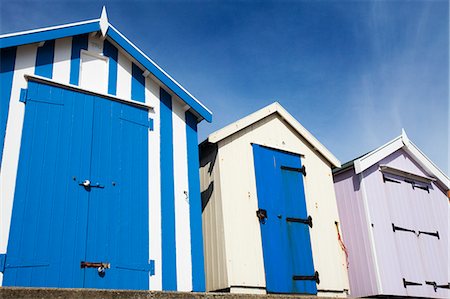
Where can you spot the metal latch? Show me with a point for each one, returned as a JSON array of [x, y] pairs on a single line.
[[262, 215], [314, 277], [410, 283], [87, 185], [300, 220], [99, 265], [301, 169]]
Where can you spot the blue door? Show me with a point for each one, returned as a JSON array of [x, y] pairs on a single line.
[[284, 222], [80, 211]]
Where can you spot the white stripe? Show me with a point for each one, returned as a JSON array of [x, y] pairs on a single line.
[[25, 61], [123, 76], [182, 221], [61, 64], [154, 183]]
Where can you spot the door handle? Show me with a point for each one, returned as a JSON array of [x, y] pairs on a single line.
[[99, 265], [87, 185]]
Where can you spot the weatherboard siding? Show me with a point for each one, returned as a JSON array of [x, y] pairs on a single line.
[[124, 79], [361, 272]]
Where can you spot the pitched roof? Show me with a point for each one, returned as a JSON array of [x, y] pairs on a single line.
[[265, 112], [401, 142], [102, 24]]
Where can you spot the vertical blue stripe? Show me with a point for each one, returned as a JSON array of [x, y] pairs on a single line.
[[137, 84], [7, 62], [195, 207], [169, 265], [111, 51], [79, 42], [44, 59]]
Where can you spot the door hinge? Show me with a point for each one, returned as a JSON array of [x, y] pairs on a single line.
[[150, 124], [436, 234], [301, 169], [2, 262], [398, 228], [436, 286], [300, 220], [410, 283], [151, 267], [314, 277], [23, 95]]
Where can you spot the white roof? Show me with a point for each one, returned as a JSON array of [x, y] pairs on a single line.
[[401, 142], [265, 112]]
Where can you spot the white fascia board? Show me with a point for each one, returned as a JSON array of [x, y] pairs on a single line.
[[242, 123], [380, 153], [402, 141], [48, 28], [427, 164], [264, 112], [159, 68]]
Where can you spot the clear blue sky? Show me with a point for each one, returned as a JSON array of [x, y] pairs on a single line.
[[352, 72]]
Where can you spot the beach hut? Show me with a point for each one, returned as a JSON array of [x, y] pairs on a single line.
[[270, 219], [394, 207], [99, 183]]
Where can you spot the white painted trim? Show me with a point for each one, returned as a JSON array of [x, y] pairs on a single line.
[[77, 88], [378, 154], [397, 143], [48, 28], [371, 236], [264, 112], [93, 54], [156, 65]]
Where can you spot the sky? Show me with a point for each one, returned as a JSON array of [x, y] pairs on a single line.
[[354, 73]]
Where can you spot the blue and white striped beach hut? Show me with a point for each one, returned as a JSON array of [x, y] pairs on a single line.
[[99, 183]]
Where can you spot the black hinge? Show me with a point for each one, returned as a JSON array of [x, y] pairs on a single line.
[[23, 95], [436, 286], [398, 228], [151, 267], [262, 215], [314, 277], [300, 220], [414, 186], [436, 234], [410, 283], [2, 262], [301, 169], [386, 179]]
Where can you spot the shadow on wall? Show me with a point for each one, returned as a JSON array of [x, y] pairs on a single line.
[[206, 195], [208, 155]]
